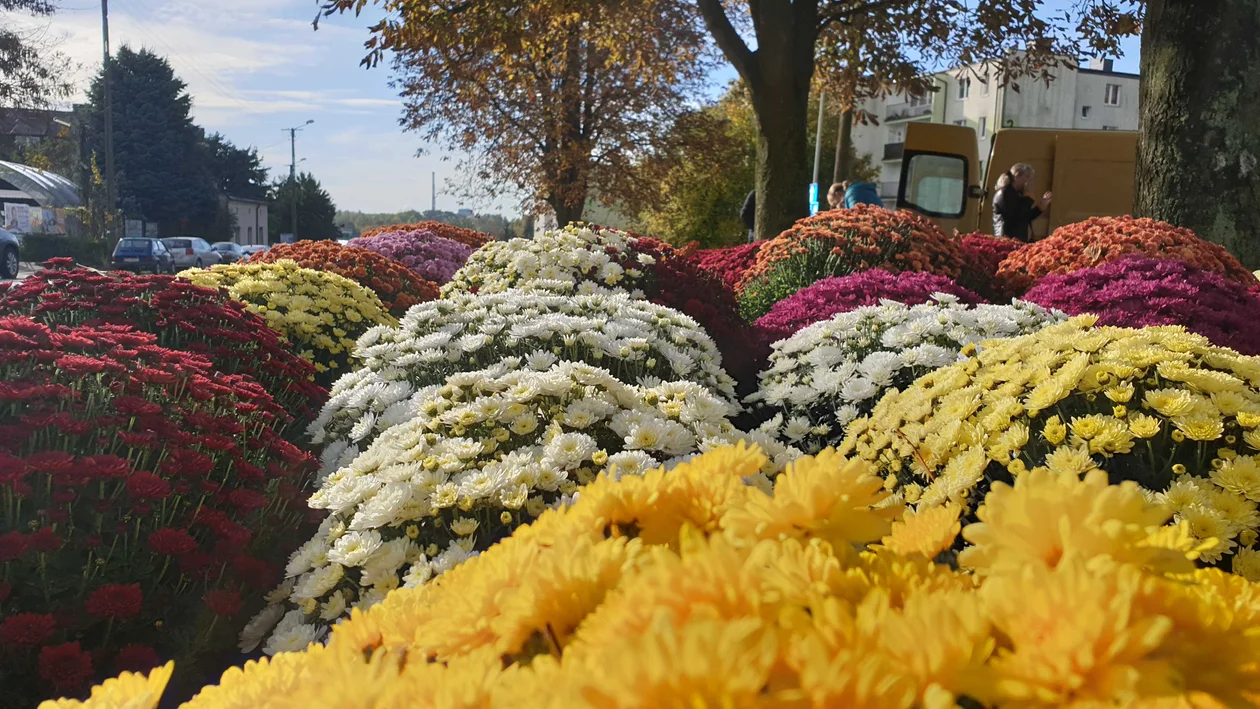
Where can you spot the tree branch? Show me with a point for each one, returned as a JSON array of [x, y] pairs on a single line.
[[846, 15], [728, 40]]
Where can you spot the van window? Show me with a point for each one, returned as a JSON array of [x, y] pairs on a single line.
[[936, 185], [134, 244]]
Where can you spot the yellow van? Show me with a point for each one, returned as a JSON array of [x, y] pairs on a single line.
[[1090, 173]]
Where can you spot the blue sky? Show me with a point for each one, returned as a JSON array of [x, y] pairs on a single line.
[[255, 67]]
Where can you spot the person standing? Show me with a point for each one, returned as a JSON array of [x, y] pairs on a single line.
[[1014, 211], [858, 192], [749, 215]]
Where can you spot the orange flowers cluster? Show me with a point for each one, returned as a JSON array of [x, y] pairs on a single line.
[[469, 237], [1105, 239], [395, 284], [844, 241]]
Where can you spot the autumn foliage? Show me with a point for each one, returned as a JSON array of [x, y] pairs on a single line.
[[396, 285], [1104, 239]]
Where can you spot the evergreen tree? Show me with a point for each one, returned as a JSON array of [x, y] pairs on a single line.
[[161, 166], [237, 172], [315, 209]]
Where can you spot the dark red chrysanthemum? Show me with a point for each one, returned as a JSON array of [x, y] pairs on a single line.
[[247, 500], [51, 462], [45, 539], [116, 600], [136, 658], [148, 486], [171, 541], [223, 602], [13, 545], [27, 629], [66, 667]]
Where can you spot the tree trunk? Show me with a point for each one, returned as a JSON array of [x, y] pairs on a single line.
[[1198, 162], [566, 214], [782, 157]]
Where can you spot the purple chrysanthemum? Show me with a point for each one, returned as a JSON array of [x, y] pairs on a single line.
[[430, 256], [841, 294], [1138, 292]]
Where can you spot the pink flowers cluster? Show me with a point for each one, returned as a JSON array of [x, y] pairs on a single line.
[[841, 294], [432, 257], [1137, 292]]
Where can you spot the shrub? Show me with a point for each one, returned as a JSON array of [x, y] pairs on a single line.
[[432, 257], [832, 372], [689, 589], [467, 237], [183, 316], [1157, 406], [840, 294], [320, 312], [1137, 291], [396, 286], [728, 262], [486, 453], [1103, 239], [982, 255], [636, 341], [840, 242], [145, 499]]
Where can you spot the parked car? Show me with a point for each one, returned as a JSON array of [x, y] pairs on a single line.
[[191, 252], [254, 249], [229, 252], [9, 250], [141, 254]]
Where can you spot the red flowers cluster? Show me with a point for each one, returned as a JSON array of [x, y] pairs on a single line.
[[982, 255], [673, 280], [468, 237], [143, 492], [181, 315], [844, 241], [396, 285], [728, 262], [1104, 239]]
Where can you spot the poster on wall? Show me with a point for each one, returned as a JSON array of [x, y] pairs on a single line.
[[151, 229], [36, 218], [10, 216], [61, 221], [134, 228], [23, 223]]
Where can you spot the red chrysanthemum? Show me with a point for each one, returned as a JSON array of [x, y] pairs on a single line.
[[13, 545], [223, 602], [136, 658], [66, 667], [171, 542], [116, 600], [27, 629], [147, 486]]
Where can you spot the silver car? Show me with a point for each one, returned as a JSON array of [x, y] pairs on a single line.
[[191, 252]]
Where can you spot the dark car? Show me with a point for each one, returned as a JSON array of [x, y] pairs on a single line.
[[141, 254], [229, 252], [9, 248]]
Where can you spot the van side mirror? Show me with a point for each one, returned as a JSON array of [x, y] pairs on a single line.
[[975, 192]]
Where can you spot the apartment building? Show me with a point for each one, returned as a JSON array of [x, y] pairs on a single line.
[[1093, 97]]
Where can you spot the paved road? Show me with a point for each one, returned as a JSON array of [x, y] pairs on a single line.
[[24, 270]]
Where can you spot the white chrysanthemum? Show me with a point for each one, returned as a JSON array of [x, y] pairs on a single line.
[[259, 627], [354, 548], [294, 639], [835, 370]]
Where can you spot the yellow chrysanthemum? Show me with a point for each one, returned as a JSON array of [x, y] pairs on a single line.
[[130, 690], [927, 532]]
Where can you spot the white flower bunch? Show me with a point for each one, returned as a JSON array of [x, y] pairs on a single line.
[[830, 373], [576, 259], [487, 452], [638, 342]]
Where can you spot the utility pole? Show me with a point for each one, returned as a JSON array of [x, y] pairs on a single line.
[[844, 141], [433, 204], [813, 188], [293, 187], [111, 195]]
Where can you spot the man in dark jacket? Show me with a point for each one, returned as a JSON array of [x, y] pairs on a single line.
[[1013, 211], [749, 215]]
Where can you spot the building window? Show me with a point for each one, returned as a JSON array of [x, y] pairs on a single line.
[[984, 83], [964, 88], [1111, 96], [962, 123], [1085, 111], [251, 235], [919, 100], [984, 126], [1111, 127]]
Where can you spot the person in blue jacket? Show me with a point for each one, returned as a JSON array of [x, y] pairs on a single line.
[[850, 194]]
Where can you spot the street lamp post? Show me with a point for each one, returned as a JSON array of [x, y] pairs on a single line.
[[293, 176]]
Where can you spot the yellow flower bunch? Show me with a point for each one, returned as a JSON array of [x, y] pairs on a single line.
[[691, 589], [1158, 406], [321, 313]]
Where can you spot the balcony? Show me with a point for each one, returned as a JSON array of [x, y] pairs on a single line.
[[908, 111], [893, 151]]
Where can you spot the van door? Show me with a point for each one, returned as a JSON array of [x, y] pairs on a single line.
[[940, 175], [1093, 175]]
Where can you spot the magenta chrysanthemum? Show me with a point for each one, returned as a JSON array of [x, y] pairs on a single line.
[[841, 294], [1138, 291], [432, 257]]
